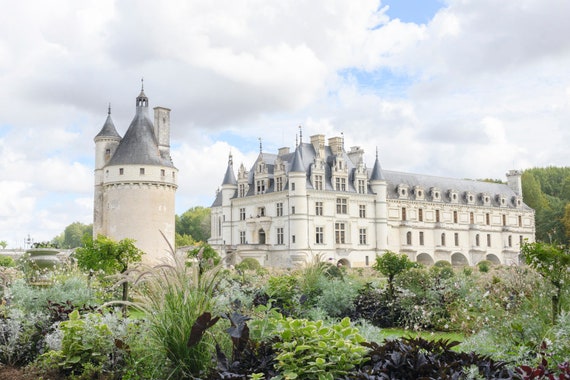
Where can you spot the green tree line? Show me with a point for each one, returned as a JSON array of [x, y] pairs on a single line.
[[547, 191]]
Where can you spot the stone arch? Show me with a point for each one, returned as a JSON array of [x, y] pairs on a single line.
[[425, 259], [493, 258], [459, 259], [343, 262], [261, 235]]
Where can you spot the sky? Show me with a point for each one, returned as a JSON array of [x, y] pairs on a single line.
[[453, 88]]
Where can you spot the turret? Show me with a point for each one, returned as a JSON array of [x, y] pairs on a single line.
[[378, 185], [514, 180], [297, 187]]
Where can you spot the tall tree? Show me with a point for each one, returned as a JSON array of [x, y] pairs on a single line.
[[72, 236], [553, 263], [194, 222], [390, 264]]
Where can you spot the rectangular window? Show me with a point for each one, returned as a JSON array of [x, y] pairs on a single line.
[[261, 211], [292, 238], [141, 171], [362, 235], [471, 218], [121, 171], [437, 216], [409, 238], [242, 237], [420, 215], [318, 182], [520, 221], [279, 209], [293, 186], [319, 235], [510, 241], [521, 241], [341, 205], [340, 233], [362, 211], [454, 216], [260, 186], [361, 186], [292, 209], [280, 235], [242, 213], [456, 238], [488, 240], [477, 242], [487, 219], [367, 260], [504, 220], [340, 184], [162, 172], [421, 238], [278, 184], [443, 239], [404, 216], [241, 190], [319, 208]]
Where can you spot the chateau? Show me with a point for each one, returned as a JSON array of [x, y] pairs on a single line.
[[135, 182], [322, 200]]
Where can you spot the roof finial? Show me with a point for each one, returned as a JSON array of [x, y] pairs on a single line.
[[300, 135], [142, 83], [109, 109], [376, 152], [260, 145], [342, 140], [230, 159]]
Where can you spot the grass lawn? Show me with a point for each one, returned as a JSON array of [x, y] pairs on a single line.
[[393, 333]]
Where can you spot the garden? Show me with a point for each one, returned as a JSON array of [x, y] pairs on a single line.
[[193, 318]]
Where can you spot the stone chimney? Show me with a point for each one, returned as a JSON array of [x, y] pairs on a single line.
[[162, 129]]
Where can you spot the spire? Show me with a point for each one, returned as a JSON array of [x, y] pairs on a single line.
[[109, 129], [297, 165], [300, 135], [229, 177], [142, 100], [377, 174]]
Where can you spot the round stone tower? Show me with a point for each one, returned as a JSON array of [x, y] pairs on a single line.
[[135, 182]]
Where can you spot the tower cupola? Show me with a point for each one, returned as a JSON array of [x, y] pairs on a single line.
[[142, 100]]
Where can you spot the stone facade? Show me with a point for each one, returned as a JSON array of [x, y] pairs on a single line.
[[136, 182], [322, 200]]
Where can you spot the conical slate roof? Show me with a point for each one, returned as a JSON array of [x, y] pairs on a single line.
[[377, 173], [108, 129], [297, 164], [229, 177]]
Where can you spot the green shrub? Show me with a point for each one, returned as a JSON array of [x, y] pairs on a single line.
[[310, 350], [484, 266], [7, 262], [21, 336], [337, 297], [249, 263], [173, 297]]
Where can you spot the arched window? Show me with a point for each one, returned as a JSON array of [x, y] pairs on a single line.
[[443, 239], [261, 236], [409, 238]]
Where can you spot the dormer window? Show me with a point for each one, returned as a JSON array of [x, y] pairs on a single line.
[[486, 199], [469, 197], [517, 201], [419, 192], [453, 196], [501, 200], [435, 194], [402, 191]]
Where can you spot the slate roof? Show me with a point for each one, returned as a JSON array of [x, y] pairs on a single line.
[[108, 129], [139, 145], [307, 154]]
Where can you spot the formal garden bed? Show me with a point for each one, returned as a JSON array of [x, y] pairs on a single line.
[[197, 320]]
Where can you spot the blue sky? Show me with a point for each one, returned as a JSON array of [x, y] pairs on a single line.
[[454, 88]]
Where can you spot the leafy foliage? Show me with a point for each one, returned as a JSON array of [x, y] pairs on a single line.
[[552, 262], [72, 236], [105, 254], [195, 222], [391, 264], [417, 358], [311, 350]]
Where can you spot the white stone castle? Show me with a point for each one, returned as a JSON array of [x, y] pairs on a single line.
[[135, 182], [322, 200]]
